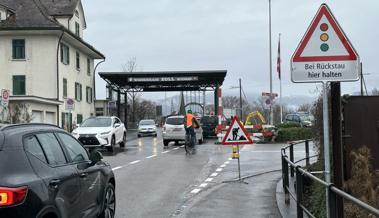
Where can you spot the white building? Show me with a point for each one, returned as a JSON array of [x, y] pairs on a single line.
[[44, 59]]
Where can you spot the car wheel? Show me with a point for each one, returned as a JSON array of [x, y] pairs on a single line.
[[165, 142], [113, 142], [155, 135], [109, 204], [139, 136], [176, 142], [122, 144]]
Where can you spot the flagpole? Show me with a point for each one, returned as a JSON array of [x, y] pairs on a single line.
[[280, 79], [271, 121]]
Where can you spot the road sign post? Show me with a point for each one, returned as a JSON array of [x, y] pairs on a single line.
[[238, 136], [4, 101], [325, 55]]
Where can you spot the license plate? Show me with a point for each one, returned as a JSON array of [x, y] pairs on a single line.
[[177, 129]]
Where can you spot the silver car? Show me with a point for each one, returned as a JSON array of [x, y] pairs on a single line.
[[147, 127], [173, 130]]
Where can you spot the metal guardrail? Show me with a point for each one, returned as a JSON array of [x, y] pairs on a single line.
[[301, 174]]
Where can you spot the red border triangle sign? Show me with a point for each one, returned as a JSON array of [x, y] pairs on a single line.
[[238, 134], [325, 53]]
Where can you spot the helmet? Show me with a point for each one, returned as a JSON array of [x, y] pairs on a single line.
[[189, 111]]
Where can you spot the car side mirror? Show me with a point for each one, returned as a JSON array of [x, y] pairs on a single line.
[[117, 125], [95, 156]]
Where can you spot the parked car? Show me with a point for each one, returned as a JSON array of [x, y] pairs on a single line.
[[147, 127], [173, 130], [303, 119], [99, 132], [45, 172], [209, 124]]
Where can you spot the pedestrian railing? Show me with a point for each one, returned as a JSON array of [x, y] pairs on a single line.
[[290, 168]]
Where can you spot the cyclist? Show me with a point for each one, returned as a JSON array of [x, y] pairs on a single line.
[[190, 123]]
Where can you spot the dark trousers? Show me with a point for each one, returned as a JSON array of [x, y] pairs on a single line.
[[191, 131]]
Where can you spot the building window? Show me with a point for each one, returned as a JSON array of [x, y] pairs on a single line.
[[19, 85], [79, 118], [77, 28], [65, 54], [89, 94], [64, 87], [78, 91], [88, 67], [77, 13], [77, 60], [18, 51]]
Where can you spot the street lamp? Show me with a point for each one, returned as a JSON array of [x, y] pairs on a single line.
[[233, 87]]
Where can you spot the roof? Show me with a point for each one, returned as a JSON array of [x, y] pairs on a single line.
[[40, 15], [166, 80]]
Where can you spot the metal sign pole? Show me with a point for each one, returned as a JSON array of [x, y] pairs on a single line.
[[239, 168], [2, 120], [69, 123], [326, 142]]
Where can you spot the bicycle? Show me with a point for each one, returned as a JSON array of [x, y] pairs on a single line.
[[188, 144]]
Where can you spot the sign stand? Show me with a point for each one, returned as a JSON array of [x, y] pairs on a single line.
[[239, 136]]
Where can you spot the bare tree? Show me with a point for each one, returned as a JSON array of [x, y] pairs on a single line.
[[15, 113], [375, 91]]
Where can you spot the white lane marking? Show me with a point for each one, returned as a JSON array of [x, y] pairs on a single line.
[[196, 190], [223, 165], [230, 158], [151, 156], [203, 185], [219, 169], [135, 162], [214, 174], [175, 148], [209, 179], [227, 162], [116, 168], [165, 152], [182, 146]]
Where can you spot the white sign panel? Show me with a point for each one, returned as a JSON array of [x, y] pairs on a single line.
[[4, 97], [325, 53], [70, 104]]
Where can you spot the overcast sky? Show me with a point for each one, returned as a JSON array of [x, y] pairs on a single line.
[[186, 35]]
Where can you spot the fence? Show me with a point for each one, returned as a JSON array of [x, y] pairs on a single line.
[[288, 164]]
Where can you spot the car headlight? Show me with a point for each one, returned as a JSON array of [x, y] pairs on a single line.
[[105, 133], [154, 128], [139, 128]]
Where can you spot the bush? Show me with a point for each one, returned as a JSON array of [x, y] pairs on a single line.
[[286, 134]]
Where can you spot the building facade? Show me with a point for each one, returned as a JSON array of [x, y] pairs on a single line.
[[45, 61]]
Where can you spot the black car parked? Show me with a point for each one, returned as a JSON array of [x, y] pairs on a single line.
[[45, 172], [209, 124]]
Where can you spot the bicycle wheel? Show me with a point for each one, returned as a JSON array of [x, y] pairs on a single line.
[[188, 144]]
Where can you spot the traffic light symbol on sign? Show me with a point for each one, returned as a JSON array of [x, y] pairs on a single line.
[[324, 37]]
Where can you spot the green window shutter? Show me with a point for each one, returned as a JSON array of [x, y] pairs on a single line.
[[76, 91], [79, 118], [91, 99], [18, 48], [80, 87], [77, 60], [87, 99], [22, 85], [62, 52], [18, 85], [88, 66], [68, 55], [64, 87]]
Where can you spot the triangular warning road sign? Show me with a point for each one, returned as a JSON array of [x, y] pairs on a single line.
[[324, 40], [223, 118], [236, 134]]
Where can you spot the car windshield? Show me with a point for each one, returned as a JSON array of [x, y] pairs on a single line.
[[175, 121], [97, 122], [209, 120], [147, 122], [307, 118]]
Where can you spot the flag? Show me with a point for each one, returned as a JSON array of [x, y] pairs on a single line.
[[278, 67]]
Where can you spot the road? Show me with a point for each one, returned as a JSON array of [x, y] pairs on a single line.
[[153, 181]]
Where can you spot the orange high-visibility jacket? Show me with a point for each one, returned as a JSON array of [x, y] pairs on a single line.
[[190, 119]]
